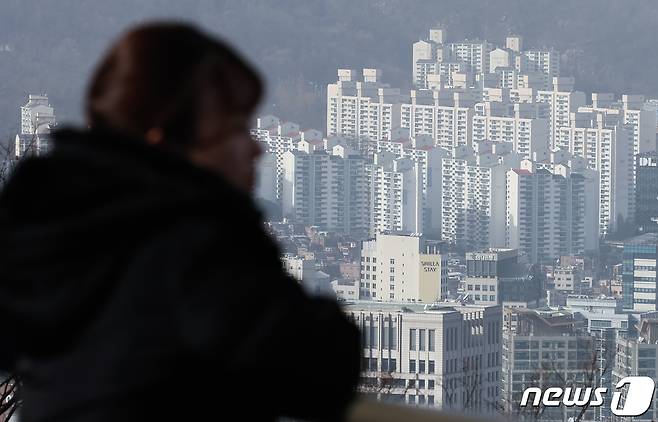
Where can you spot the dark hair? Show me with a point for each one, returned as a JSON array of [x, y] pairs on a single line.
[[153, 77]]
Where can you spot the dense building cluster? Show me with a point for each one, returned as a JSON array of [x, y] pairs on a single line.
[[490, 230], [483, 210]]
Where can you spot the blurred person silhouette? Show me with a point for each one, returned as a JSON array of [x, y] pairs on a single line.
[[138, 281]]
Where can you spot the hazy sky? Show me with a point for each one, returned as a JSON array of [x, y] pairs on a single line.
[[609, 45]]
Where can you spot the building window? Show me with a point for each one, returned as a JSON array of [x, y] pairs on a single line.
[[430, 367], [431, 340], [412, 339], [412, 365], [430, 385], [392, 261], [421, 366], [421, 339]]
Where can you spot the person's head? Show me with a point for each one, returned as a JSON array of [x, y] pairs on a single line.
[[175, 87]]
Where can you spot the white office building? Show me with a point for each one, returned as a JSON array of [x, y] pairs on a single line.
[[446, 356]]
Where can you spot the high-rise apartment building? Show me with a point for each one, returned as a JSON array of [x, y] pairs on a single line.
[[367, 108], [37, 115], [37, 119], [444, 115], [428, 158], [396, 194], [526, 135], [551, 211], [326, 188], [473, 195], [562, 101], [607, 146]]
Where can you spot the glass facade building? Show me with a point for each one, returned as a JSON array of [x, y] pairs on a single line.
[[646, 192], [639, 273]]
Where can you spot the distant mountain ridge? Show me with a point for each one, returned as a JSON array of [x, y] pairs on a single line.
[[608, 45]]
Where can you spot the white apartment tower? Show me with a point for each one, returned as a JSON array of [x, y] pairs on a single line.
[[428, 158], [548, 212], [357, 109], [327, 189], [37, 115], [629, 110], [473, 201], [396, 194], [526, 135], [608, 150], [444, 115], [546, 62], [473, 52], [562, 102], [37, 119]]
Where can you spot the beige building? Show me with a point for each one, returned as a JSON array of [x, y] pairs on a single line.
[[402, 268]]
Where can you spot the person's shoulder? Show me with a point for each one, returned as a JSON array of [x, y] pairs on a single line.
[[211, 235]]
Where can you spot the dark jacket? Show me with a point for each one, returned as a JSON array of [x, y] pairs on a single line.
[[137, 286]]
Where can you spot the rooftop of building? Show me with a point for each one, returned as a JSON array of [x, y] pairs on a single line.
[[410, 307], [643, 239]]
